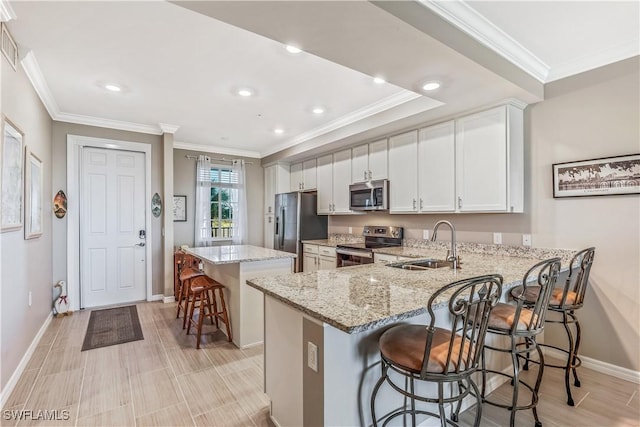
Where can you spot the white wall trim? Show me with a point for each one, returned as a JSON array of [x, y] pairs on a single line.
[[6, 392], [74, 143], [34, 73], [167, 128], [6, 11], [598, 366], [205, 148], [168, 300], [468, 20], [157, 297], [107, 123], [348, 119]]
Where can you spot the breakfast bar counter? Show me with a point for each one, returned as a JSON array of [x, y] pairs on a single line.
[[322, 329]]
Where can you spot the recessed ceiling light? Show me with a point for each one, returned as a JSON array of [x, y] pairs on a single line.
[[431, 86], [279, 131], [318, 110], [379, 80], [112, 87], [293, 49], [245, 92]]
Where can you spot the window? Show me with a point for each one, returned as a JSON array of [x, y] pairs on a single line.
[[224, 200]]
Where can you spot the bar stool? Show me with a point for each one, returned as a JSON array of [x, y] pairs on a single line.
[[521, 323], [185, 277], [198, 291], [442, 356], [565, 301]]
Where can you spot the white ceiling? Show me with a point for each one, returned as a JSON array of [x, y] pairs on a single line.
[[182, 67]]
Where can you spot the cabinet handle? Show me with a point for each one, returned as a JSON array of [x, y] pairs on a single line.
[[414, 204], [459, 202], [269, 209], [369, 175], [365, 175], [420, 204]]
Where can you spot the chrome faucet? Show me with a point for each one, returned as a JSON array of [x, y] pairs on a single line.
[[452, 256]]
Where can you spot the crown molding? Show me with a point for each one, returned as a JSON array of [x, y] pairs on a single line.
[[468, 20], [34, 73], [167, 128], [214, 149], [346, 120], [107, 123], [580, 65], [6, 11]]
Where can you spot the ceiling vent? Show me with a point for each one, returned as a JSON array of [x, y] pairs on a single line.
[[9, 47]]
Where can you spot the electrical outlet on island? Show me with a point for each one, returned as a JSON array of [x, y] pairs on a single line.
[[497, 238], [350, 230], [425, 234]]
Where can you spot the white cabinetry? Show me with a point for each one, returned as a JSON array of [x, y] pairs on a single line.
[[436, 168], [369, 161], [489, 165], [316, 258], [403, 173], [276, 180], [303, 175], [333, 172], [269, 229], [326, 258]]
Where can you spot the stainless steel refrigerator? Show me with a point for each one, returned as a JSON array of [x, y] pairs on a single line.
[[297, 220]]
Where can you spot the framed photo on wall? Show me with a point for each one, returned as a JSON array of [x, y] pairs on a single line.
[[179, 208], [11, 153], [34, 197], [606, 176]]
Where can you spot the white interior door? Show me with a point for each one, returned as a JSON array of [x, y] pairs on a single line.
[[112, 227]]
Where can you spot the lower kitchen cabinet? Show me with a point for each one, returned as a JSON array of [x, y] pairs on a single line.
[[316, 258]]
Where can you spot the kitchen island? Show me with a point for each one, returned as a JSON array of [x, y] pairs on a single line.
[[232, 265], [322, 331]]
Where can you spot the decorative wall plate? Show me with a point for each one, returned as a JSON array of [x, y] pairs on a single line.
[[156, 205], [60, 204]]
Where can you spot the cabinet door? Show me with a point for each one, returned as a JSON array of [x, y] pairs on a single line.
[[403, 172], [268, 231], [325, 184], [309, 263], [436, 172], [341, 179], [269, 189], [378, 159], [309, 174], [296, 177], [326, 263], [481, 169], [359, 163]]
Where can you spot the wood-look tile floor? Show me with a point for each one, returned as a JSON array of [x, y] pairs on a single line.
[[164, 381]]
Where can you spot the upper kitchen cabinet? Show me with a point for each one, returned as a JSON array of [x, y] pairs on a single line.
[[436, 168], [276, 180], [369, 161], [490, 161], [333, 173], [403, 173], [303, 175]]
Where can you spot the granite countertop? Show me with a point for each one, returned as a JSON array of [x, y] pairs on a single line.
[[231, 254], [356, 299]]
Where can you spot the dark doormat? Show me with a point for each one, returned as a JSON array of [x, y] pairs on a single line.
[[112, 326]]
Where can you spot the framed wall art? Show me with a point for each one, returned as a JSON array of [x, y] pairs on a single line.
[[179, 208], [12, 150], [34, 196], [606, 176]]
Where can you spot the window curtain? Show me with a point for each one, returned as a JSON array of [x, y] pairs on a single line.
[[203, 202], [240, 234]]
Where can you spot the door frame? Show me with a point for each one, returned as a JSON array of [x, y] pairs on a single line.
[[74, 144]]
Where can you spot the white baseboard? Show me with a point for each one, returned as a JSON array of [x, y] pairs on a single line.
[[168, 300], [598, 366], [6, 392], [158, 297]]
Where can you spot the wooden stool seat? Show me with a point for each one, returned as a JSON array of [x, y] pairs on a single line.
[[185, 277], [199, 289]]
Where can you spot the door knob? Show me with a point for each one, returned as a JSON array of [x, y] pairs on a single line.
[[140, 244]]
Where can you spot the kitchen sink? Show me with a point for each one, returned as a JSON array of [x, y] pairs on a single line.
[[423, 264]]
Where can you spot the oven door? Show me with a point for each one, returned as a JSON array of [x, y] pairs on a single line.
[[348, 257]]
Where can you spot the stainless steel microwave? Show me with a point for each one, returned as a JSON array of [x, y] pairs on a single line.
[[369, 196]]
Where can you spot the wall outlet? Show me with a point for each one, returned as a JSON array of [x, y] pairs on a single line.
[[350, 230], [497, 238], [425, 234], [526, 240], [312, 356], [30, 299]]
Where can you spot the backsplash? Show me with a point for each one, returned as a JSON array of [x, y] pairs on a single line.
[[345, 238]]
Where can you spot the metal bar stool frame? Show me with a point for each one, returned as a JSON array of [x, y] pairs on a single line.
[[527, 321], [576, 287], [470, 302]]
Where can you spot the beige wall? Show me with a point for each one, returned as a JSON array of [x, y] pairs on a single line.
[[26, 264], [184, 176], [595, 114], [60, 132]]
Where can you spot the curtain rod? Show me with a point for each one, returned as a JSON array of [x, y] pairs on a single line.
[[189, 156]]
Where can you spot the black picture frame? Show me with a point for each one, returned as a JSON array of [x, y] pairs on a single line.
[[605, 176], [179, 208]]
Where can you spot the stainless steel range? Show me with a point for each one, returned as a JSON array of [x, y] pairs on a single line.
[[374, 237]]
